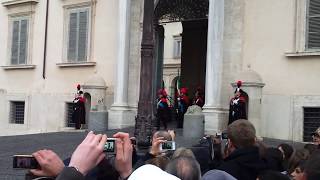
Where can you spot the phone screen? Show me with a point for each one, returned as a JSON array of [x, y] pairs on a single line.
[[110, 146], [25, 162], [169, 145]]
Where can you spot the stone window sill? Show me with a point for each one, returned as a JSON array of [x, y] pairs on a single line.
[[14, 67], [15, 2], [82, 64], [302, 54]]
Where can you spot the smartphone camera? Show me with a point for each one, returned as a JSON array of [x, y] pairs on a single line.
[[110, 146], [224, 135], [25, 162], [168, 145]]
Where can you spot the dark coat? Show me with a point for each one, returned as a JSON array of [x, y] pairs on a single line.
[[237, 109], [244, 164]]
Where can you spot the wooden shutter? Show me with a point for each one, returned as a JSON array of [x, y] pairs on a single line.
[[15, 42], [73, 34], [313, 25], [83, 35], [23, 44]]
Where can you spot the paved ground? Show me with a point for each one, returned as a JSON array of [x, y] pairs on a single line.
[[63, 143]]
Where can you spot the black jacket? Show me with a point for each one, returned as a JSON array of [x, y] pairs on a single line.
[[244, 164]]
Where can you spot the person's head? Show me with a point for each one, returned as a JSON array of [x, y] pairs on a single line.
[[310, 147], [185, 168], [312, 167], [297, 157], [165, 134], [316, 136], [286, 151], [274, 159], [183, 152], [274, 175], [241, 134], [159, 161], [297, 173], [147, 172]]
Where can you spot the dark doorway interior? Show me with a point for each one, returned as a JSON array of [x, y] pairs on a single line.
[[193, 56]]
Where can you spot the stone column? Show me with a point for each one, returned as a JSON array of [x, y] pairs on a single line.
[[118, 113], [214, 113]]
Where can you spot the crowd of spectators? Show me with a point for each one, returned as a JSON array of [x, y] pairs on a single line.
[[241, 157]]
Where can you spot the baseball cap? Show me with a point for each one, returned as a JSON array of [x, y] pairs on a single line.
[[147, 172]]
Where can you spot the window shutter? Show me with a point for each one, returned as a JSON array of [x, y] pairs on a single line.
[[15, 42], [72, 43], [23, 41], [313, 25], [83, 36]]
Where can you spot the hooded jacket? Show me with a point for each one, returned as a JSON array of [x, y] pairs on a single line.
[[244, 163]]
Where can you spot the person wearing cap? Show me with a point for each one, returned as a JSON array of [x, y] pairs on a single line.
[[163, 109], [183, 103], [316, 137], [238, 107]]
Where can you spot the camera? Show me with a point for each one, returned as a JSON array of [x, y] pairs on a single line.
[[168, 145], [223, 135], [110, 146], [25, 162]]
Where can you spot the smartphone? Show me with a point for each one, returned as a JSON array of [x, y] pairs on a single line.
[[224, 135], [25, 162], [110, 146], [168, 145]]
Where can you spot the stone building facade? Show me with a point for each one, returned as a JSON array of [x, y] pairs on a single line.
[[269, 45]]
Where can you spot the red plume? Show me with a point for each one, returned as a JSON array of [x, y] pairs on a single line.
[[239, 83]]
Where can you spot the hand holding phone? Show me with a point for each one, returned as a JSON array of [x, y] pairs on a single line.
[[25, 162], [110, 146]]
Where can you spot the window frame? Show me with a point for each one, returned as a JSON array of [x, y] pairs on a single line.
[[176, 39], [12, 19], [13, 120], [68, 10]]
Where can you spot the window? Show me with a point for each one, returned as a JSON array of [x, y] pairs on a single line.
[[311, 121], [17, 112], [19, 40], [69, 111], [177, 46], [78, 34], [313, 25]]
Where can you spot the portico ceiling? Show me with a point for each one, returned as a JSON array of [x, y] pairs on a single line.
[[181, 10]]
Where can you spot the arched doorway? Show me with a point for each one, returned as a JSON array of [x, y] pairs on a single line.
[[184, 26]]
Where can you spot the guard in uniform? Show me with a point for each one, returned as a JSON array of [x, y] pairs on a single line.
[[79, 112], [183, 104], [198, 98], [163, 109], [238, 105]]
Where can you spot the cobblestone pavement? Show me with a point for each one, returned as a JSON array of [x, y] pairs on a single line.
[[63, 143]]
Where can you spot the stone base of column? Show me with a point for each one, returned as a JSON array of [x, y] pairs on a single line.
[[121, 117], [215, 119]]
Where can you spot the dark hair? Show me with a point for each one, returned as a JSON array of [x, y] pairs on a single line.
[[310, 147], [185, 168], [297, 157], [274, 159], [274, 175], [242, 133], [312, 166], [165, 134], [287, 150], [159, 161]]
